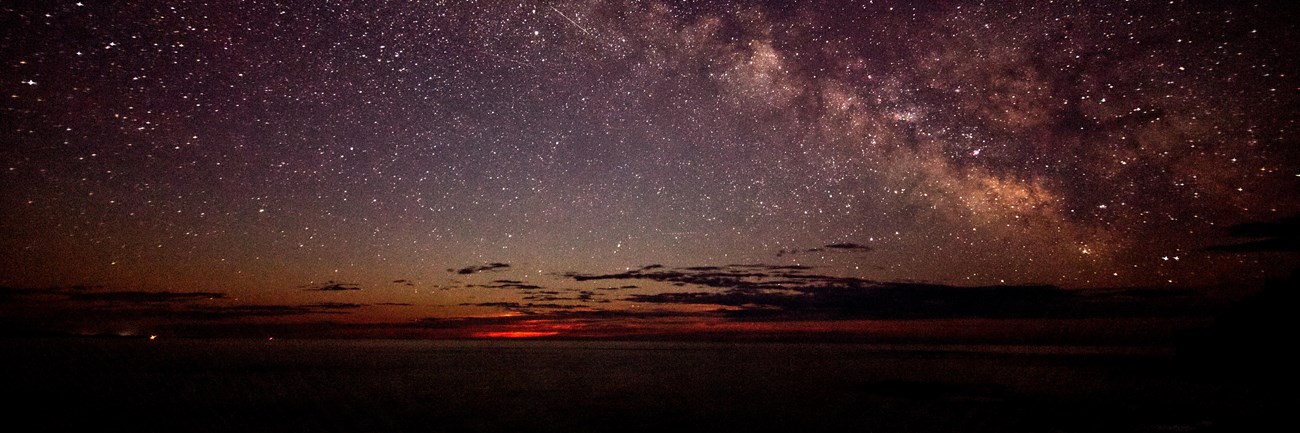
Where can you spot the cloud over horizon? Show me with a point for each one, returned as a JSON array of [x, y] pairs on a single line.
[[495, 266]]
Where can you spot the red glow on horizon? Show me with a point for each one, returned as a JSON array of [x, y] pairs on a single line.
[[515, 334]]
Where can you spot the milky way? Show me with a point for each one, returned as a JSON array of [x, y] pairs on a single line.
[[417, 153]]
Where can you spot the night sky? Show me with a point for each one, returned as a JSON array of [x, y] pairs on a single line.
[[607, 168]]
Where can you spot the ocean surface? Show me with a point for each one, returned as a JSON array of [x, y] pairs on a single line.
[[554, 386]]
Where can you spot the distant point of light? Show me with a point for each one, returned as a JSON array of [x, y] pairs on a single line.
[[153, 337], [515, 334]]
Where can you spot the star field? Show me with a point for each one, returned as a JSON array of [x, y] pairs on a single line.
[[254, 148]]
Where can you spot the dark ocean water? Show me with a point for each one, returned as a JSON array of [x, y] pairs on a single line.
[[522, 386]]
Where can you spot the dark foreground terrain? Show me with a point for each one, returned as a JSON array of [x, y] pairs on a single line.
[[520, 386]]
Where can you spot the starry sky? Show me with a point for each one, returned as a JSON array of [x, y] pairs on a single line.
[[482, 167]]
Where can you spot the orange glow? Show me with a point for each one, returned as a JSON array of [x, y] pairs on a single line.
[[515, 334]]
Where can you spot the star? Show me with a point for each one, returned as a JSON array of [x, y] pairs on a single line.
[[956, 143]]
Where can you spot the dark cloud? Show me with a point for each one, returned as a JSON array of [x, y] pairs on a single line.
[[772, 267], [404, 282], [906, 301], [835, 247], [785, 252], [212, 312], [557, 313], [81, 287], [552, 306], [98, 294], [529, 308], [848, 246], [580, 296], [1274, 236], [144, 297], [1259, 246], [507, 284], [884, 301], [778, 294], [480, 268], [626, 287], [334, 305], [600, 314], [750, 277], [395, 304], [82, 309], [222, 312], [493, 304], [333, 286], [460, 322]]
